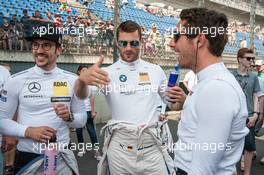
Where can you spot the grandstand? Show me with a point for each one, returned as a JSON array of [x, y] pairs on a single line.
[[10, 7], [148, 13], [128, 11], [163, 22]]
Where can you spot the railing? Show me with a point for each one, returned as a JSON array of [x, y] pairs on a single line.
[[88, 44]]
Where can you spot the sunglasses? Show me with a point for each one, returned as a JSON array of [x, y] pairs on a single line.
[[250, 58], [133, 43], [177, 35]]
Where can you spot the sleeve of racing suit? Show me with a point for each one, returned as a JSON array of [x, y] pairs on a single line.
[[8, 106], [79, 113]]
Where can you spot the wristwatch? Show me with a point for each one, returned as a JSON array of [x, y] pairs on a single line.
[[71, 118]]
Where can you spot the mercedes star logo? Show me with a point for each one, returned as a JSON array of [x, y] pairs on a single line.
[[34, 87]]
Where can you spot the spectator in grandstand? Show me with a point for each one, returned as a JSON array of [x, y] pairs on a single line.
[[87, 15], [167, 43], [100, 38], [13, 22], [12, 37], [37, 16], [58, 20], [144, 40], [190, 80], [250, 86], [132, 145], [232, 38], [50, 17], [14, 34], [26, 25], [243, 43], [109, 34], [19, 37], [158, 42], [4, 74], [167, 39], [91, 35], [215, 113], [262, 35], [46, 110], [69, 23], [4, 33], [154, 36], [90, 126], [2, 37]]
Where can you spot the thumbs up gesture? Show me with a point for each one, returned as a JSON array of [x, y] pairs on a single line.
[[95, 75]]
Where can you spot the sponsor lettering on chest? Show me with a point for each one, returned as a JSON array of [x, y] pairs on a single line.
[[144, 78], [60, 88]]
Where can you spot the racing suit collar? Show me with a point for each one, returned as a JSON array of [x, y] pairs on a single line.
[[134, 63], [42, 72]]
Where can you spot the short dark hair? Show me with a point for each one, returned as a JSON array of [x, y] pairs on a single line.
[[241, 52], [80, 68], [202, 17], [128, 27]]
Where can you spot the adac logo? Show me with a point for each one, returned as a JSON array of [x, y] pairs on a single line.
[[123, 78], [34, 87], [60, 83]]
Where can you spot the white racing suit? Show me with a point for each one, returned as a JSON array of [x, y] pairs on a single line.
[[133, 150], [33, 93], [134, 145]]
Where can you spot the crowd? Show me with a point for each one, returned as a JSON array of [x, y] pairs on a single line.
[[88, 34], [85, 34], [81, 29], [237, 26]]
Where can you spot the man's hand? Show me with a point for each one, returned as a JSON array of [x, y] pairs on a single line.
[[162, 117], [93, 115], [95, 75], [175, 95], [252, 121], [62, 111], [8, 143], [41, 134]]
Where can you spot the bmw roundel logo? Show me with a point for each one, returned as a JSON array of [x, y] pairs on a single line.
[[34, 87], [123, 78]]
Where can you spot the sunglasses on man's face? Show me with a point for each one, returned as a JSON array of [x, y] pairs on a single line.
[[133, 43], [250, 58], [176, 36]]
